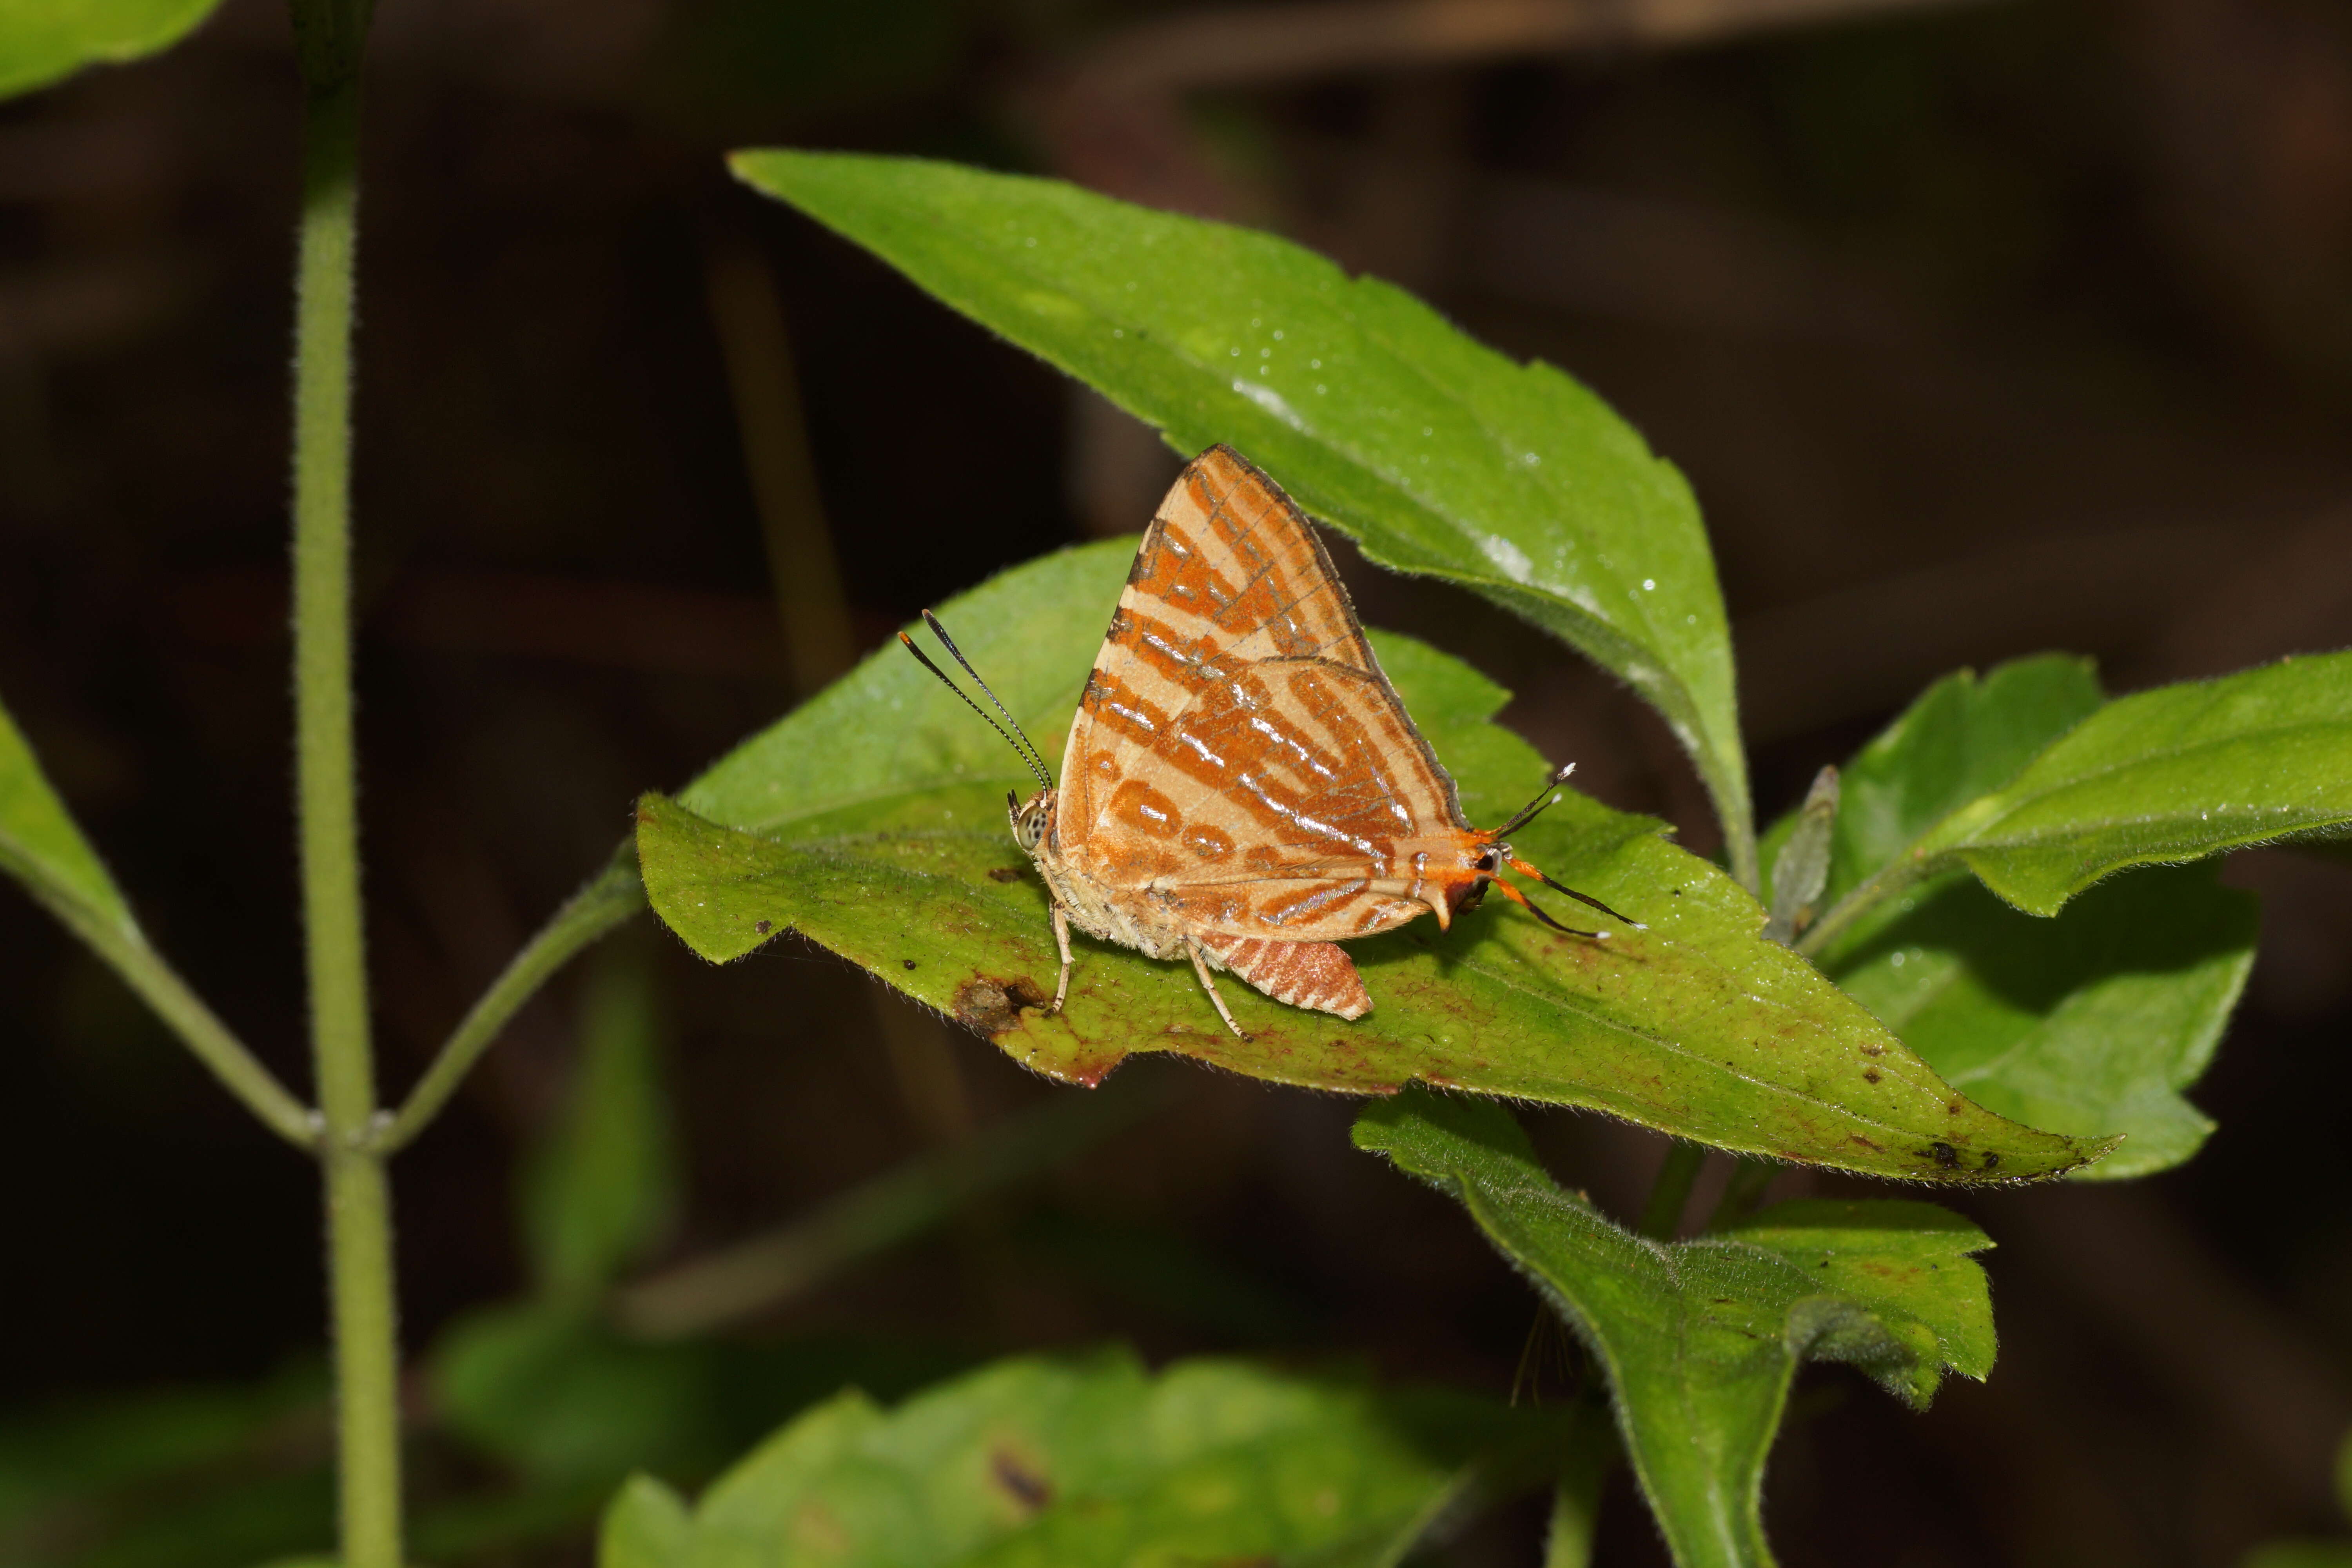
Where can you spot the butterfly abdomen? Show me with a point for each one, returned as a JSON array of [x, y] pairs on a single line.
[[1316, 974]]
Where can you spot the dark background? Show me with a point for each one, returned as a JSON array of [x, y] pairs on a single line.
[[1980, 329]]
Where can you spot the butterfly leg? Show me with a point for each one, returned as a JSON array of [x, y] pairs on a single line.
[[1201, 968], [1061, 941]]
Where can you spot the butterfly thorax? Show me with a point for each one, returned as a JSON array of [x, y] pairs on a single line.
[[1128, 917]]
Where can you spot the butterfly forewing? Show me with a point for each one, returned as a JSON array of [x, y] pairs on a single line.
[[1237, 750]]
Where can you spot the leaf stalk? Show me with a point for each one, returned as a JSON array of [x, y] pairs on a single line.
[[200, 1029], [1670, 1193], [612, 897]]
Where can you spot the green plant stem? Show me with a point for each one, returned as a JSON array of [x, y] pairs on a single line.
[[1663, 1215], [1725, 780], [1885, 882], [161, 987], [1585, 1459], [610, 898], [1742, 1191], [358, 1196]]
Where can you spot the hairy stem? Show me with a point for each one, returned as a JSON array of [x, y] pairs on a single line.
[[160, 986], [613, 897], [1889, 880], [358, 1197]]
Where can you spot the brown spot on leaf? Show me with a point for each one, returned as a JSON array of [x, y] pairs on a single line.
[[989, 1006], [763, 927], [983, 1007], [1023, 1485], [1865, 1142], [1004, 873], [1943, 1154], [1870, 1075], [907, 962], [1991, 1160]]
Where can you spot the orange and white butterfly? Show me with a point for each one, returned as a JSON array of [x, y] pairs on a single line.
[[1242, 786]]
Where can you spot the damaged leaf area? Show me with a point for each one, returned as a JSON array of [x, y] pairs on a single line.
[[1071, 1462], [872, 821], [1699, 1340]]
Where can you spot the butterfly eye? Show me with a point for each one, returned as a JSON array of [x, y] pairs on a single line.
[[1489, 858]]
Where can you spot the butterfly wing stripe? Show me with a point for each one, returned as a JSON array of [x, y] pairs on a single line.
[[1238, 758]]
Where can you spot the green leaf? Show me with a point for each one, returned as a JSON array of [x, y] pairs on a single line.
[[1068, 1462], [1438, 456], [647, 1526], [546, 1388], [77, 1454], [2301, 1554], [2163, 776], [1700, 1339], [42, 849], [42, 41], [2171, 774], [598, 1195], [2090, 1023], [1963, 738], [872, 821]]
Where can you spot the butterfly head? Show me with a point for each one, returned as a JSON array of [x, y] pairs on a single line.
[[1490, 855], [1032, 821]]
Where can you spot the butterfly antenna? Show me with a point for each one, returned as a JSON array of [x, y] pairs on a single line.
[[924, 658], [1524, 869], [1537, 909], [1534, 808], [1035, 762]]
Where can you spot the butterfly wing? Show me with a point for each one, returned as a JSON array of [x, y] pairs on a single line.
[[1238, 753]]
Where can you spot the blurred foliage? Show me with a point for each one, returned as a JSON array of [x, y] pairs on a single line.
[[1071, 1462], [597, 1194], [44, 40], [721, 60]]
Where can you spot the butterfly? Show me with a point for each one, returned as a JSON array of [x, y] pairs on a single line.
[[1242, 786]]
